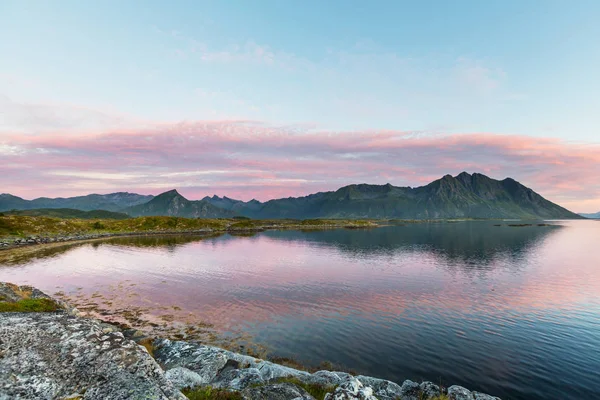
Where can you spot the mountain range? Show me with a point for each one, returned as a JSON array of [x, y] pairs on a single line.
[[109, 202], [591, 216], [463, 196]]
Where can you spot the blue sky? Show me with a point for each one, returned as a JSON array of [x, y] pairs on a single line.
[[525, 71], [522, 67]]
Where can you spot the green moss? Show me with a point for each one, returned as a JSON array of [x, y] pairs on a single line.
[[30, 305], [209, 393], [314, 389]]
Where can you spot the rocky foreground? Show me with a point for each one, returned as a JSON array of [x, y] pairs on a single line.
[[60, 355]]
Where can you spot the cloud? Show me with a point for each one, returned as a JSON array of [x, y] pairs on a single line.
[[248, 159], [33, 118]]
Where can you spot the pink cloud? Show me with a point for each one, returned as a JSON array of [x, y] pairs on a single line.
[[248, 159]]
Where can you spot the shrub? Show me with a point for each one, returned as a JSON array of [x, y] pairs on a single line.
[[30, 305]]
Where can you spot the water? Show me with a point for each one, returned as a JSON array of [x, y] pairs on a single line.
[[511, 311]]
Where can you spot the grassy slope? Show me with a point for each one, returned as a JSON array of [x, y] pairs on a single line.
[[68, 213], [21, 226]]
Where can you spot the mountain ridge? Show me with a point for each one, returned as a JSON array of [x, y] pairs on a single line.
[[462, 196], [109, 202]]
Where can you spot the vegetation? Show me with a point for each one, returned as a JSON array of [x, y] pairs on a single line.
[[314, 389], [209, 393], [69, 213], [23, 226], [30, 305]]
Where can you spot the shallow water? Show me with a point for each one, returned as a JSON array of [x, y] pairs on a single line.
[[511, 311]]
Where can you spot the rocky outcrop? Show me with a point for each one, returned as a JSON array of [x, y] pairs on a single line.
[[59, 355]]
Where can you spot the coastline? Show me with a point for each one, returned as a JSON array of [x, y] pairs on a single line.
[[60, 354]]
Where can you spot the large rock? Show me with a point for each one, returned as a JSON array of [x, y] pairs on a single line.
[[278, 391], [57, 355], [459, 393], [382, 389], [352, 389], [218, 367]]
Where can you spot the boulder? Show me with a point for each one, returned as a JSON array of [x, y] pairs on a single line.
[[410, 390], [278, 391], [483, 396], [430, 390], [351, 389], [57, 355], [382, 389], [459, 393]]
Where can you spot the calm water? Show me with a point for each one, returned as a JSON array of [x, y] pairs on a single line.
[[512, 311]]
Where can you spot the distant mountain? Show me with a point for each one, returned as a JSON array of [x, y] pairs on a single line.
[[463, 196], [109, 202], [592, 216], [69, 213], [173, 204], [233, 205]]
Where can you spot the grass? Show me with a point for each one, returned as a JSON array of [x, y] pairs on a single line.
[[209, 393], [24, 225], [314, 389], [30, 305]]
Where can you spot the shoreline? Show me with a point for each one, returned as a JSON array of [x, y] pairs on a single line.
[[53, 241], [58, 353]]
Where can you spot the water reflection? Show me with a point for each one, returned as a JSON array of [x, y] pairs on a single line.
[[511, 311]]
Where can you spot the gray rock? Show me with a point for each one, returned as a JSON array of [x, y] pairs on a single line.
[[206, 361], [429, 390], [328, 378], [351, 389], [238, 379], [383, 389], [55, 355], [459, 393], [278, 391], [410, 390], [182, 378], [483, 396]]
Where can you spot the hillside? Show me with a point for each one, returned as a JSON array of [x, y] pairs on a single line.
[[67, 213], [171, 203], [463, 196], [592, 216], [109, 202]]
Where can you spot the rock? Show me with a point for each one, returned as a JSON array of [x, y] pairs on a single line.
[[184, 378], [382, 389], [350, 390], [55, 355], [429, 390], [278, 391], [206, 361], [410, 390], [238, 379], [459, 393], [328, 378], [483, 396]]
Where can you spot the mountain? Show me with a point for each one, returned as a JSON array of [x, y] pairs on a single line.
[[173, 204], [233, 205], [592, 216], [67, 213], [109, 202], [463, 196]]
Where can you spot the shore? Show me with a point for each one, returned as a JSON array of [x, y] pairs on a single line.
[[22, 231], [55, 353]]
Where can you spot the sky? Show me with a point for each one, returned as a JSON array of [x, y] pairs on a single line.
[[284, 98]]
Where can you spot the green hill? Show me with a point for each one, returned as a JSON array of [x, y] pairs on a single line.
[[68, 213]]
